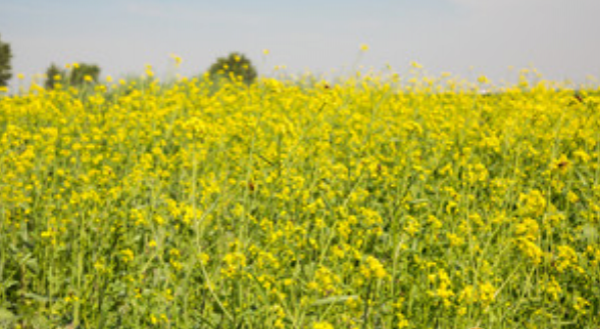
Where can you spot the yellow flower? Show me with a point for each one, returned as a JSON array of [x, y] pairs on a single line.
[[562, 164], [204, 258], [402, 321], [582, 156], [364, 47], [581, 305], [455, 240], [323, 325], [416, 65], [177, 59], [528, 229], [487, 293], [149, 71], [552, 288], [566, 257], [533, 203], [127, 255]]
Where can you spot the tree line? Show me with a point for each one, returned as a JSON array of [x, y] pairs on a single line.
[[235, 66]]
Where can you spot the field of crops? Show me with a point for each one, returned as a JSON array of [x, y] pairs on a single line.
[[368, 203]]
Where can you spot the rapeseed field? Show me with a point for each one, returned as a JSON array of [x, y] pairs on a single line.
[[371, 202]]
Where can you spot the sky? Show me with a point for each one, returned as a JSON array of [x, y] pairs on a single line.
[[468, 38]]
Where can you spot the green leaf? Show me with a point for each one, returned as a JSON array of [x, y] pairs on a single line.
[[417, 201], [333, 300], [37, 297]]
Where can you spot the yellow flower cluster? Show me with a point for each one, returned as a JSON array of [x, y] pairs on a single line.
[[369, 202]]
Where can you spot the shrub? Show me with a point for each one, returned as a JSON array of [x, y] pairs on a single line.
[[53, 75], [79, 73], [76, 76], [235, 65], [5, 67]]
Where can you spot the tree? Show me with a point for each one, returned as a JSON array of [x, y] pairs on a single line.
[[84, 72], [53, 75], [234, 65], [5, 68], [76, 76]]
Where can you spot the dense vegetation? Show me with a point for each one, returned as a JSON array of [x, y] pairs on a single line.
[[75, 75], [235, 66], [363, 204], [5, 63]]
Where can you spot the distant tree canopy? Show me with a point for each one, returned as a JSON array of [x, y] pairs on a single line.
[[234, 66], [5, 67], [53, 76], [76, 75]]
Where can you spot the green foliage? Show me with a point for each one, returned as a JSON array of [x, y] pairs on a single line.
[[235, 65], [5, 67], [53, 76], [362, 205], [76, 76]]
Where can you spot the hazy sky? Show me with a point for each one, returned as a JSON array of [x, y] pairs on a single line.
[[561, 38]]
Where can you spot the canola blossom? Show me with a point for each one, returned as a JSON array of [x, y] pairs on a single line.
[[367, 203]]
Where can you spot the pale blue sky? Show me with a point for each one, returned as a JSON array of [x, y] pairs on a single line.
[[465, 37]]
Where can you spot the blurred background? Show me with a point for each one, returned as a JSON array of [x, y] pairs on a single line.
[[464, 37]]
